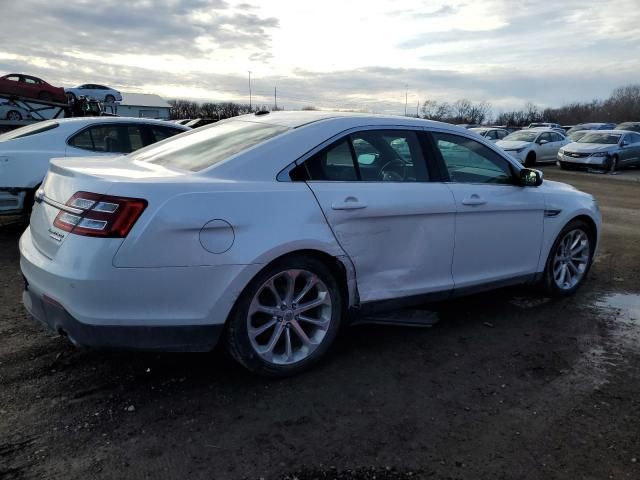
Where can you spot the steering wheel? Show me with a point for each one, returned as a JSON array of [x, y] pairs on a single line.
[[393, 171]]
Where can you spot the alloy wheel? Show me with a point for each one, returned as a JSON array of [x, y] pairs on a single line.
[[571, 259], [289, 316]]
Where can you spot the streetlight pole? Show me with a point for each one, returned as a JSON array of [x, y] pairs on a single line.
[[250, 109], [406, 93]]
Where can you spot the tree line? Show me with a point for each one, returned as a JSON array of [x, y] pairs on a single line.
[[622, 105]]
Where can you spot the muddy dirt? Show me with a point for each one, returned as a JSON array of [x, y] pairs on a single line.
[[507, 385]]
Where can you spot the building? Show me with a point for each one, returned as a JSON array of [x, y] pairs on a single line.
[[143, 105]]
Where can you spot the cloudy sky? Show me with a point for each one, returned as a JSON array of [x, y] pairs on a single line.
[[330, 54]]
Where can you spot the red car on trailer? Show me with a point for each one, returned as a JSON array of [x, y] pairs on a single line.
[[20, 85]]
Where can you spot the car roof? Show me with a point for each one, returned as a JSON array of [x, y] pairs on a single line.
[[108, 119], [295, 119]]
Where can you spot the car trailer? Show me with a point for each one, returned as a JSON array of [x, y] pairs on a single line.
[[35, 108]]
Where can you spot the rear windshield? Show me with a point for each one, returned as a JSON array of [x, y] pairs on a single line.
[[207, 146], [29, 130], [601, 138]]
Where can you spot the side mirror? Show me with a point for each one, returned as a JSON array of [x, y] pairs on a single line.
[[530, 177], [542, 142], [625, 143]]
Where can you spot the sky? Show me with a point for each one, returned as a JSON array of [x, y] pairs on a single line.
[[362, 55]]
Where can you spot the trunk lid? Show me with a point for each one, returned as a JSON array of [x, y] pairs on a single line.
[[68, 176]]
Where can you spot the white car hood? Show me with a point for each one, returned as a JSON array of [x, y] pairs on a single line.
[[512, 145]]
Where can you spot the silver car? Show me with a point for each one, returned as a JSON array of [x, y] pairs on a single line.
[[602, 149], [10, 111]]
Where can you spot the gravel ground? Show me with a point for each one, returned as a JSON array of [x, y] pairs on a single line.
[[506, 385]]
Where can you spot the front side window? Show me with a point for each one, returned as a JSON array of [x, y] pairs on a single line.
[[207, 146], [544, 137], [468, 161], [521, 136]]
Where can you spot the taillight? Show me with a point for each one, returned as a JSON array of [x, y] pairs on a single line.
[[96, 215]]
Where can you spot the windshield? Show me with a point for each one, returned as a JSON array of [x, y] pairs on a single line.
[[601, 138], [575, 136], [634, 127], [202, 148], [28, 130], [521, 136]]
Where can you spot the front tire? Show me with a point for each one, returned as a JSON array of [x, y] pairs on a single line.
[[569, 260], [109, 99], [286, 318], [530, 160], [613, 164]]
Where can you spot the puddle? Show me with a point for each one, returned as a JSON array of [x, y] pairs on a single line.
[[628, 304]]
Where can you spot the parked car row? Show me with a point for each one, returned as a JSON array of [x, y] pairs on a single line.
[[25, 152], [592, 145]]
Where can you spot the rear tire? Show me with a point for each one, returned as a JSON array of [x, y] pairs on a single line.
[[46, 96], [272, 331], [571, 253], [531, 160]]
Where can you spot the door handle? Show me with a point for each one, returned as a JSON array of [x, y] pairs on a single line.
[[349, 203], [474, 200]]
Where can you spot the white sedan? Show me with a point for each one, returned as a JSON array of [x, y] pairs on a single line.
[[533, 145], [9, 111], [272, 230], [25, 152], [99, 92]]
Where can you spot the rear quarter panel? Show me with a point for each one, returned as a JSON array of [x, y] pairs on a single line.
[[269, 219]]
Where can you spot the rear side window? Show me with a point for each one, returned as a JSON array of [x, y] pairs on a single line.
[[29, 130], [207, 146]]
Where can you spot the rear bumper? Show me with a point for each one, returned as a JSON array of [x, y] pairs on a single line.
[[101, 306], [192, 338]]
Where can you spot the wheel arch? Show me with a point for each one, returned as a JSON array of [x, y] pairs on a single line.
[[339, 265]]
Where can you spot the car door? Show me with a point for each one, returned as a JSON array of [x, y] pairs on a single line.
[[557, 142], [394, 223], [545, 146], [499, 224]]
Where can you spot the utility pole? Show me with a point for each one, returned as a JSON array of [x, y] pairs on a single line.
[[417, 107], [406, 93], [250, 109], [275, 98]]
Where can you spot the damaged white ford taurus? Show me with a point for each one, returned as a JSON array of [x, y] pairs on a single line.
[[269, 231]]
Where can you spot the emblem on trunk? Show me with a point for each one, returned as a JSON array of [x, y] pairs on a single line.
[[57, 236]]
